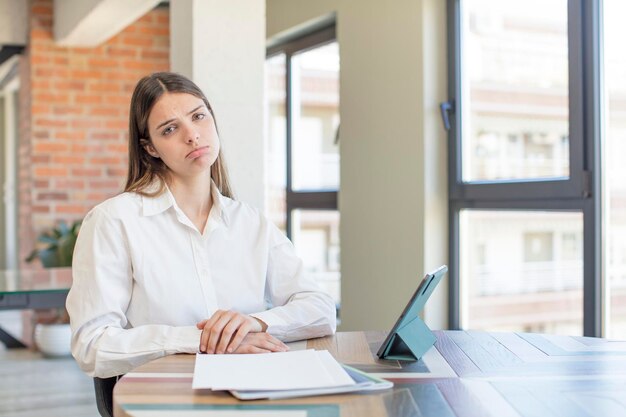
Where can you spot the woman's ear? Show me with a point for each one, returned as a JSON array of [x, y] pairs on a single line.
[[147, 145]]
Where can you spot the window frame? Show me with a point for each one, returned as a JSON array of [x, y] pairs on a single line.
[[309, 199], [580, 192]]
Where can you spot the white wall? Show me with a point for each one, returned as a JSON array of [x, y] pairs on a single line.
[[220, 45], [393, 198], [13, 22]]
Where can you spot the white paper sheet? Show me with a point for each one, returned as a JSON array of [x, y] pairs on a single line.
[[218, 413], [269, 371]]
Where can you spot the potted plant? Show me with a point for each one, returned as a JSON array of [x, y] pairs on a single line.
[[59, 248], [52, 331]]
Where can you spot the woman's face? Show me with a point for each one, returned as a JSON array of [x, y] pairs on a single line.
[[183, 135]]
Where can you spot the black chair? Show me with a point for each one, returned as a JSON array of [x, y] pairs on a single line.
[[104, 394]]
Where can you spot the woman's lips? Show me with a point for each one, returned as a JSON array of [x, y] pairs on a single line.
[[197, 152]]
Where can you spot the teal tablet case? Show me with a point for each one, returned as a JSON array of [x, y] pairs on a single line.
[[410, 337]]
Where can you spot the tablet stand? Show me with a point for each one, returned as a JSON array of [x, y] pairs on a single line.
[[410, 342]]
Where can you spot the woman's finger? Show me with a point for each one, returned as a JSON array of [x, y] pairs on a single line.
[[208, 324], [215, 333], [229, 332], [251, 349], [239, 336], [265, 341]]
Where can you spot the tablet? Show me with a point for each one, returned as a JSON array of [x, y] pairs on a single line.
[[410, 338]]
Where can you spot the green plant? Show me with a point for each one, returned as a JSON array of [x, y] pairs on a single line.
[[59, 248]]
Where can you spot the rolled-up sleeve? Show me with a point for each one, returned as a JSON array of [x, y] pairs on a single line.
[[103, 343]]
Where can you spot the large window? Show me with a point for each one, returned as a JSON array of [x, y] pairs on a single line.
[[302, 84], [524, 166]]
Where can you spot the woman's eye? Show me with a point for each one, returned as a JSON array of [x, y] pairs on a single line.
[[167, 130], [199, 116]]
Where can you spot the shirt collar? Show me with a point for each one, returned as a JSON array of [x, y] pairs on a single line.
[[158, 204]]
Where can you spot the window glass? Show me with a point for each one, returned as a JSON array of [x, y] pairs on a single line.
[[276, 154], [315, 234], [315, 118], [522, 271], [515, 89]]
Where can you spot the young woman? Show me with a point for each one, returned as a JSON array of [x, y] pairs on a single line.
[[174, 264]]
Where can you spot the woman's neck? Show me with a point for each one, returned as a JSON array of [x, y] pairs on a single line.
[[193, 196]]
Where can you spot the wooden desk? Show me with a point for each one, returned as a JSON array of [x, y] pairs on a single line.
[[467, 374]]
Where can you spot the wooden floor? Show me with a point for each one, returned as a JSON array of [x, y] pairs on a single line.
[[34, 386]]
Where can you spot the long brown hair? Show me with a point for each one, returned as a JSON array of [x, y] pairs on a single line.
[[143, 169]]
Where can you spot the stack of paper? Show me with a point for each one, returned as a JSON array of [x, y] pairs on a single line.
[[280, 375]]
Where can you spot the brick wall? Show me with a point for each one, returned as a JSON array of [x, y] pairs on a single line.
[[74, 105]]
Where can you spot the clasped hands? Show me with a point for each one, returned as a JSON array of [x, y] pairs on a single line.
[[228, 331]]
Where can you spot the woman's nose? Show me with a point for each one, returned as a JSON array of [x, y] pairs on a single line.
[[191, 135]]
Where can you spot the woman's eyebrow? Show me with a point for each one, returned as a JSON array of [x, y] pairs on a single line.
[[164, 123], [171, 120]]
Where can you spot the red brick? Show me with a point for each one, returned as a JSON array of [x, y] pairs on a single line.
[[79, 148], [47, 171], [98, 196], [40, 159], [104, 87], [41, 209], [86, 124], [155, 31], [65, 110], [116, 124], [71, 208], [75, 85], [48, 98], [87, 172], [61, 60], [66, 159], [41, 8], [103, 63], [121, 148], [104, 184], [40, 109], [106, 135], [117, 172], [40, 34], [40, 84], [41, 134], [105, 160], [72, 135], [138, 41], [69, 184], [40, 60], [88, 98], [52, 196], [152, 54], [121, 52], [105, 111], [86, 74], [41, 122], [51, 147]]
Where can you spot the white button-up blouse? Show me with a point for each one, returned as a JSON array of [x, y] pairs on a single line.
[[143, 276]]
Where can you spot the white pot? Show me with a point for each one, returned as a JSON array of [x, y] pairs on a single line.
[[53, 339]]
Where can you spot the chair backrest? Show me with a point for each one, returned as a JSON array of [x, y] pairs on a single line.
[[104, 394]]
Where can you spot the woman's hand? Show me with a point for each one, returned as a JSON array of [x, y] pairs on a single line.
[[260, 343], [226, 330]]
